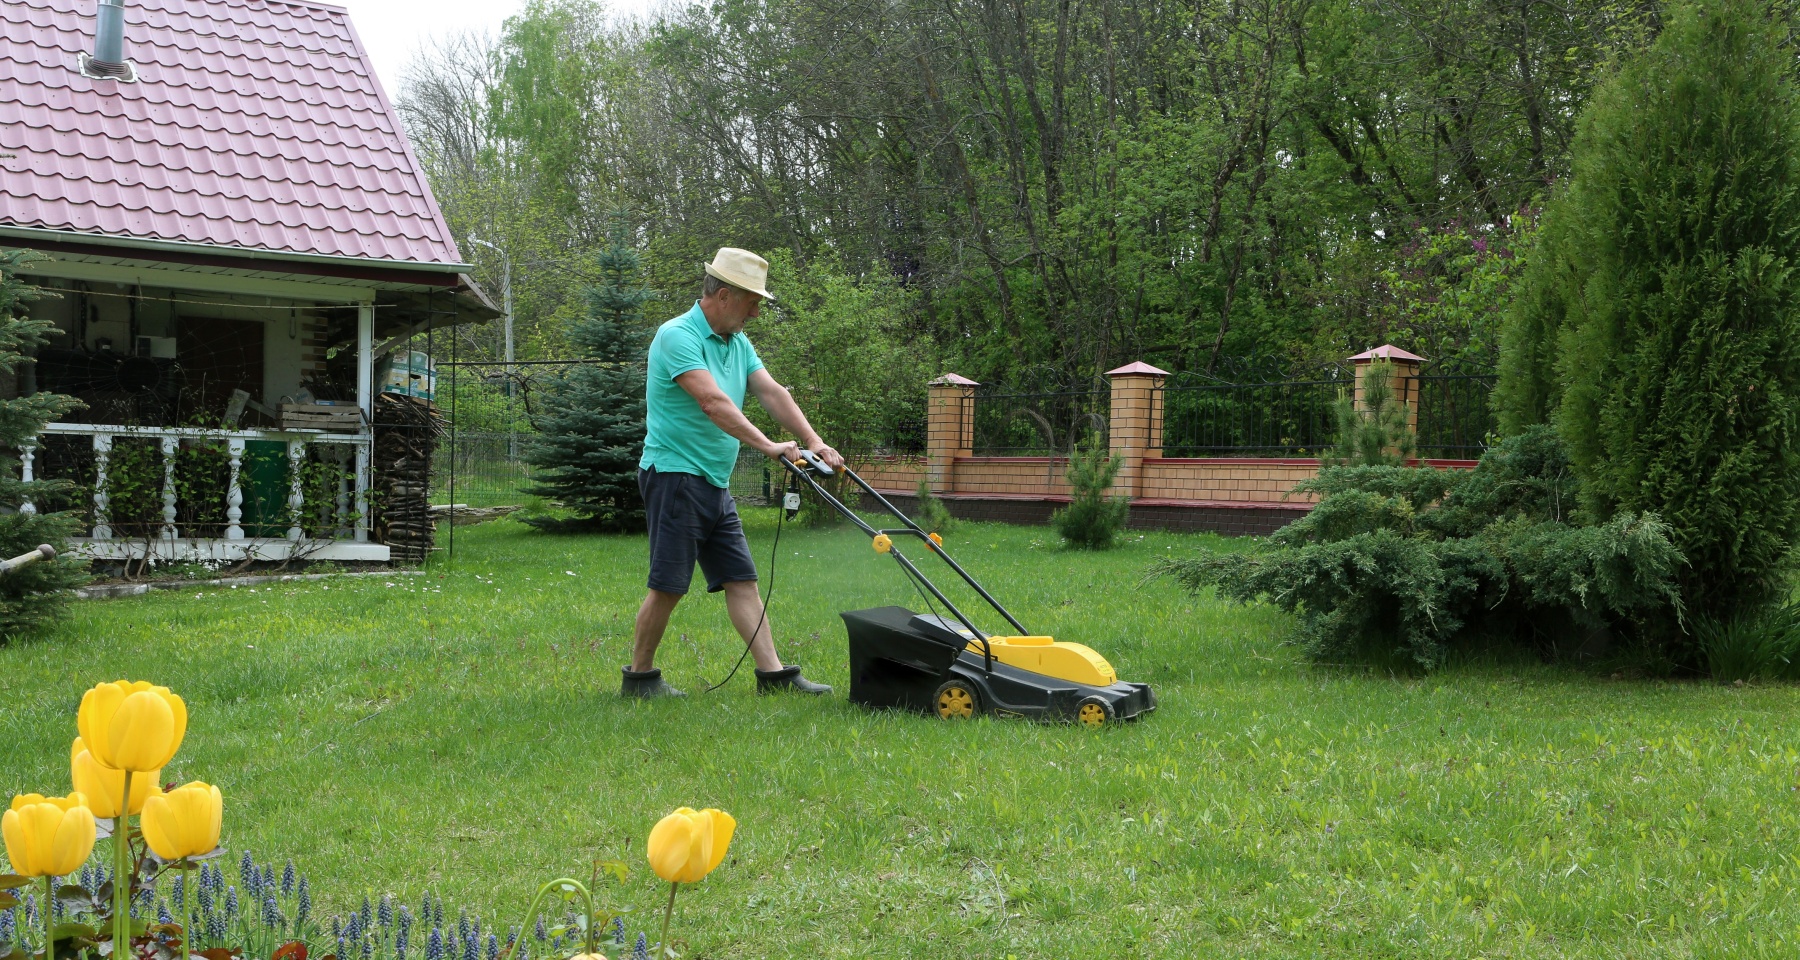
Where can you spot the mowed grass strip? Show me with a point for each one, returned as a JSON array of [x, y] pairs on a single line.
[[461, 731]]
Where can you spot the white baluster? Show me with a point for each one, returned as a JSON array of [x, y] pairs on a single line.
[[343, 491], [102, 453], [362, 491], [234, 494], [170, 446], [27, 455], [296, 496]]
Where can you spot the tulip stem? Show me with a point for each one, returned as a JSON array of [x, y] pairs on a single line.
[[668, 911], [187, 919], [49, 918], [531, 913], [121, 874]]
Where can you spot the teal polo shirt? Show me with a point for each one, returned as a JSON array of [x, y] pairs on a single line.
[[678, 437]]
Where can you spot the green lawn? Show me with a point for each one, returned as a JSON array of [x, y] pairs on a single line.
[[461, 732]]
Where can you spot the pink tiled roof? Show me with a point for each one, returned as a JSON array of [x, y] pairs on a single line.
[[254, 124]]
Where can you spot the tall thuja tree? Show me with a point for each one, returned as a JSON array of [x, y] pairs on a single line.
[[1667, 298], [591, 424], [33, 593]]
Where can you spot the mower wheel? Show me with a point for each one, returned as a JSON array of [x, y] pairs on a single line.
[[956, 700], [1094, 712]]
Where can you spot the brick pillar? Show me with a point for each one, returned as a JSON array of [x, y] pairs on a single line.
[[1136, 426], [1405, 383], [949, 429]]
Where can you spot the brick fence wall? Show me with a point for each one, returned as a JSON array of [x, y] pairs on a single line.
[[1229, 495]]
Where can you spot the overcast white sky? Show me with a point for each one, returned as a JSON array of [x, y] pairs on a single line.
[[393, 30]]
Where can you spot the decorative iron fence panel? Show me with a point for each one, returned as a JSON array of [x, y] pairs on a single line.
[[1456, 416], [1204, 417], [1044, 422]]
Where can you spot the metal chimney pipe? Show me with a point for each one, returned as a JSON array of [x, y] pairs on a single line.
[[109, 39]]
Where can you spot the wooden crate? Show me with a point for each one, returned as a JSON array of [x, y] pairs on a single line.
[[339, 417]]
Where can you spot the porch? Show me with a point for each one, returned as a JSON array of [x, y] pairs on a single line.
[[212, 495]]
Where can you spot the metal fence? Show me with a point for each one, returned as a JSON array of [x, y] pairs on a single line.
[[1206, 417], [1456, 416], [1039, 420]]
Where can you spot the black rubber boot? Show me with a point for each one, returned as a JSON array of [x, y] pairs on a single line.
[[646, 685], [787, 679]]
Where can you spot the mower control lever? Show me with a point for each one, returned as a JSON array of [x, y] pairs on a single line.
[[813, 461]]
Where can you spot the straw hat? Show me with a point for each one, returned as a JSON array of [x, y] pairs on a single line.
[[742, 269]]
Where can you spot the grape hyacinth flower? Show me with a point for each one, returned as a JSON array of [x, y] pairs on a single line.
[[471, 948], [288, 876], [271, 912], [9, 925], [368, 949], [231, 903], [434, 944], [143, 901], [462, 925], [302, 904], [33, 920], [353, 929], [493, 948], [642, 950], [542, 932], [402, 932], [163, 916], [215, 928], [247, 871], [178, 891], [386, 913], [365, 913], [618, 931]]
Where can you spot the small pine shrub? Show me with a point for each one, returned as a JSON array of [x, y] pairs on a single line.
[[1377, 432], [931, 512], [1092, 519]]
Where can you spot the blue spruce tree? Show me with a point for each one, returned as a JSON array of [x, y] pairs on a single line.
[[31, 593], [591, 422]]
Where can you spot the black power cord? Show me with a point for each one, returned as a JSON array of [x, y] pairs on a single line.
[[774, 551]]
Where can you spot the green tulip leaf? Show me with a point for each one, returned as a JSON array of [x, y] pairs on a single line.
[[13, 881], [16, 954], [69, 931]]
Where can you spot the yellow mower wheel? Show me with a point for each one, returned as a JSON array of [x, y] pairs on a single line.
[[955, 700], [1094, 712]]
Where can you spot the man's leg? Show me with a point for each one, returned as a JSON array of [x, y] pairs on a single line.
[[652, 620], [746, 609]]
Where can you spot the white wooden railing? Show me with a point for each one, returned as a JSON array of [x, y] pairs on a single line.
[[350, 511]]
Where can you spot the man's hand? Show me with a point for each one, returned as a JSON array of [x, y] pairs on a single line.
[[832, 458], [789, 451]]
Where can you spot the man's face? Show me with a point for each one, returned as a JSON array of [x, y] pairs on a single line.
[[739, 307]]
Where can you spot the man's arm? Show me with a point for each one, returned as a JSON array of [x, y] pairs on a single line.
[[720, 410], [775, 398]]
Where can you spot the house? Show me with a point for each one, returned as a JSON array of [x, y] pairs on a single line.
[[235, 227]]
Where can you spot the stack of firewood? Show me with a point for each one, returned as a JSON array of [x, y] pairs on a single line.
[[406, 435]]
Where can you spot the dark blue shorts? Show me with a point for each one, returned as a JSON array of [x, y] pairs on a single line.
[[693, 521]]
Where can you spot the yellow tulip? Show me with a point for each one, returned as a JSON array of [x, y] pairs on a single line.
[[132, 725], [183, 822], [103, 786], [686, 845], [48, 836]]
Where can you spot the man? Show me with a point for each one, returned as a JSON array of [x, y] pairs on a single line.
[[699, 369]]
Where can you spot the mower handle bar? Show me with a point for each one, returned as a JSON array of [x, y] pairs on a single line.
[[810, 461]]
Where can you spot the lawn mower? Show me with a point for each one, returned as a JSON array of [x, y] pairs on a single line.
[[940, 662]]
